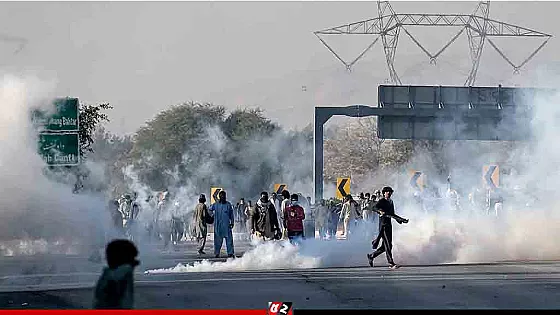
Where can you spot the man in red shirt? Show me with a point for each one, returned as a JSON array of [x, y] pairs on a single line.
[[293, 220]]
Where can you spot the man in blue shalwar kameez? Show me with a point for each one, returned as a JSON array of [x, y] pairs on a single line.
[[223, 224]]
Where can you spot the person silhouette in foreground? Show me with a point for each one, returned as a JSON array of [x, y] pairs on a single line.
[[386, 210], [114, 289]]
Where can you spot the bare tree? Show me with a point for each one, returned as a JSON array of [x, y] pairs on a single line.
[[369, 126], [356, 151]]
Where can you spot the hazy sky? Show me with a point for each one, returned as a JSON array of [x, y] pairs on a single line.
[[143, 57]]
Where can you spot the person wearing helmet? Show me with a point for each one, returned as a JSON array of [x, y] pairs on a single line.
[[386, 210], [200, 221]]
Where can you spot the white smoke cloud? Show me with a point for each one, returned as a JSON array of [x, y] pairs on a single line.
[[264, 256], [519, 232], [260, 159], [37, 211], [526, 229]]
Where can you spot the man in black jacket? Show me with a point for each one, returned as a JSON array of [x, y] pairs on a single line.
[[386, 210]]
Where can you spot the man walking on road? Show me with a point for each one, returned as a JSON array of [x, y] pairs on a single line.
[[386, 210], [264, 219], [223, 224], [200, 228]]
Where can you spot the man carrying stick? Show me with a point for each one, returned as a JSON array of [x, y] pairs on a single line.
[[386, 210]]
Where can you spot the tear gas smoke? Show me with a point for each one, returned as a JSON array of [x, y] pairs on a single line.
[[207, 166], [526, 229], [37, 212], [264, 256]]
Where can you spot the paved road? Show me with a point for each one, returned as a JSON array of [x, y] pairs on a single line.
[[152, 257], [52, 284]]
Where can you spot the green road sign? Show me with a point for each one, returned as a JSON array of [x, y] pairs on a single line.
[[65, 117], [60, 148]]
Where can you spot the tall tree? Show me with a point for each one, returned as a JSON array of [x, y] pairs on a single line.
[[243, 124], [198, 145], [91, 117], [160, 145]]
